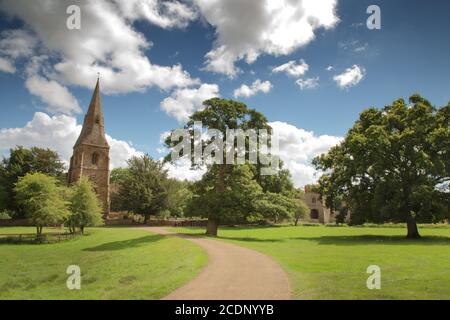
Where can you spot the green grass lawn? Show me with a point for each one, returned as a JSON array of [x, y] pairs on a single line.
[[330, 263], [116, 263]]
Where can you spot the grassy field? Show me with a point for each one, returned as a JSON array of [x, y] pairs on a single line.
[[116, 263], [331, 262]]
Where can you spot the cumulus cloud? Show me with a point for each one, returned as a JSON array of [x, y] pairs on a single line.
[[182, 170], [107, 42], [184, 102], [14, 44], [165, 14], [297, 148], [17, 43], [60, 134], [256, 87], [292, 68], [6, 66], [350, 77], [247, 29], [309, 83], [57, 97]]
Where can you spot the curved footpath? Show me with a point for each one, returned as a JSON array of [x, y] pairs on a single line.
[[232, 273]]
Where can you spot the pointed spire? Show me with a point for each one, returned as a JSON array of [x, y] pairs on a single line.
[[93, 131]]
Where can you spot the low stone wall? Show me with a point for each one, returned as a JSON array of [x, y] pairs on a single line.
[[177, 223], [121, 222], [15, 223]]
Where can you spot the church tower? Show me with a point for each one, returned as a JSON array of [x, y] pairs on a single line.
[[91, 152]]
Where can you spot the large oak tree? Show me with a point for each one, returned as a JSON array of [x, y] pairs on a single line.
[[392, 165]]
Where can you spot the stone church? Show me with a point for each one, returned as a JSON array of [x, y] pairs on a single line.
[[91, 152]]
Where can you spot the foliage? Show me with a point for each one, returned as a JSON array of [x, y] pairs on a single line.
[[5, 215], [235, 204], [221, 115], [142, 187], [388, 166], [20, 162], [85, 208], [179, 194], [41, 198]]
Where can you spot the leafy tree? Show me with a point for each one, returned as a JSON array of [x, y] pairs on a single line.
[[281, 182], [85, 207], [42, 200], [275, 206], [301, 209], [142, 190], [22, 161], [220, 114], [118, 174], [389, 165], [178, 196], [236, 201]]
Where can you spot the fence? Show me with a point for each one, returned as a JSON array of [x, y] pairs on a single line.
[[177, 223], [15, 223], [34, 238]]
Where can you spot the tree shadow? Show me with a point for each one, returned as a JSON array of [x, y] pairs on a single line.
[[125, 244], [250, 239], [376, 239]]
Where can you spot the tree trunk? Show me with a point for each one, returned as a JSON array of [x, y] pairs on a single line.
[[296, 221], [213, 223], [211, 228], [82, 229], [413, 232]]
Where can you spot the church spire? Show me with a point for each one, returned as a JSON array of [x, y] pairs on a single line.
[[93, 131]]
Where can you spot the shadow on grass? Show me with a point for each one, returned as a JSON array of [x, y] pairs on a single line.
[[376, 239], [125, 244]]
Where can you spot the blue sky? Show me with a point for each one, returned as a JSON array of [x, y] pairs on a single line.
[[409, 54]]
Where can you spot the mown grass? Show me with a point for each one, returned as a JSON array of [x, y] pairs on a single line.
[[330, 263], [116, 263]]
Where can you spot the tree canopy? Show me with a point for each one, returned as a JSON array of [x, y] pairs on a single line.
[[85, 207], [41, 198], [390, 165], [232, 193], [20, 162]]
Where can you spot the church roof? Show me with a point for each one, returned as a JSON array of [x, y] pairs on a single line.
[[93, 131]]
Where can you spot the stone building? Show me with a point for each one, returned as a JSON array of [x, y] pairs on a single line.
[[91, 152], [318, 211]]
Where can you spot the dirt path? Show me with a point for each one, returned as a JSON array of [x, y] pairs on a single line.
[[232, 273]]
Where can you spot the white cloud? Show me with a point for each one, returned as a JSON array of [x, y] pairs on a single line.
[[354, 45], [182, 170], [292, 68], [14, 44], [350, 77], [330, 68], [107, 42], [297, 149], [247, 29], [57, 97], [309, 83], [257, 86], [6, 66], [60, 134], [17, 43], [184, 102], [165, 14]]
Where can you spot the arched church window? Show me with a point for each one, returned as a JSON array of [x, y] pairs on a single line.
[[97, 119], [95, 158]]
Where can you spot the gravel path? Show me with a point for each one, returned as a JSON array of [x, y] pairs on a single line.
[[232, 273]]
